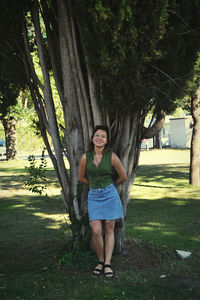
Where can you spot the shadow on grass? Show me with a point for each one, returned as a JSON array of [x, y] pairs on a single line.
[[171, 221], [177, 174], [29, 219], [153, 186], [20, 176]]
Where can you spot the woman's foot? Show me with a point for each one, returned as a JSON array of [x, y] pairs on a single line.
[[99, 268], [108, 272]]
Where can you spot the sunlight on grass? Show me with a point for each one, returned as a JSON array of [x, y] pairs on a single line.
[[164, 156], [23, 192], [17, 206], [169, 233], [151, 229], [195, 239], [156, 224], [146, 228], [57, 219], [180, 202]]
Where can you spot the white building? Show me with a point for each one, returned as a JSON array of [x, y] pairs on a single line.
[[176, 133], [181, 132]]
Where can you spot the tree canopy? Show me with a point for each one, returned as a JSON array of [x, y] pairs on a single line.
[[139, 49]]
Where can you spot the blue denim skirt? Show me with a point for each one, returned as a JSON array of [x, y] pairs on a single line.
[[104, 204]]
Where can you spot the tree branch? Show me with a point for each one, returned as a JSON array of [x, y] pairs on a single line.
[[150, 132]]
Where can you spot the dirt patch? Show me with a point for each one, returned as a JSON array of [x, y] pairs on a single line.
[[134, 256]]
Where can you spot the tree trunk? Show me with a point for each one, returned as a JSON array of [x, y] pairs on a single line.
[[157, 141], [79, 97], [195, 143], [126, 143], [10, 129]]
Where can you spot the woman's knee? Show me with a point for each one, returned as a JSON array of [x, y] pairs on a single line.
[[109, 227], [96, 229], [96, 232]]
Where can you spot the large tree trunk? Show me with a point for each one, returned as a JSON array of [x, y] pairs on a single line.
[[10, 129], [195, 143], [79, 93], [126, 139]]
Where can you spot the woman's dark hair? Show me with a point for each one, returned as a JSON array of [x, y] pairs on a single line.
[[104, 128]]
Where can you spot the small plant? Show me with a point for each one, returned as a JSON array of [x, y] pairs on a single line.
[[81, 259], [36, 182]]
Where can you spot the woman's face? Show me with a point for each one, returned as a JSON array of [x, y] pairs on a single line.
[[100, 138]]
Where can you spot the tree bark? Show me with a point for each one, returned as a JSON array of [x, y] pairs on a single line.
[[10, 129], [195, 142]]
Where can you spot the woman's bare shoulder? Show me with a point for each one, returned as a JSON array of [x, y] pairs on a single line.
[[83, 157], [114, 158]]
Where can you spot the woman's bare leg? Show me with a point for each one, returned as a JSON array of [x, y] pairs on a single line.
[[97, 240], [109, 242]]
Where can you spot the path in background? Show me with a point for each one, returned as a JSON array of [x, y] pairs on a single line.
[[164, 156]]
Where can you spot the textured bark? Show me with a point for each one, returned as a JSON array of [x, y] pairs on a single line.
[[10, 129], [49, 104], [76, 134], [128, 150], [195, 142]]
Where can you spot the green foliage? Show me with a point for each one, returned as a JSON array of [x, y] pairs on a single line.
[[12, 74], [12, 79], [193, 82], [8, 96], [142, 52], [180, 51], [29, 141], [36, 182], [120, 40]]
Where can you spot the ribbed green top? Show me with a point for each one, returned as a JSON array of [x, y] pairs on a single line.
[[101, 176]]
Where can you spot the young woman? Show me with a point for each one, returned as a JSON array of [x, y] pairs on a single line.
[[104, 204]]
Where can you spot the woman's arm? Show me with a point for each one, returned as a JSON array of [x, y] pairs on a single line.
[[117, 165], [82, 170]]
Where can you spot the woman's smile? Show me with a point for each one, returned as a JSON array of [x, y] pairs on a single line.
[[100, 138]]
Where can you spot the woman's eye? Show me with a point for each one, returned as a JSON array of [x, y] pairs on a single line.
[[100, 136]]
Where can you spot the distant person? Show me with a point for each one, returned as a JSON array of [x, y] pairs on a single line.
[[104, 204]]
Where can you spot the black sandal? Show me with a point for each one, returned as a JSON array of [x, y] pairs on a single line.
[[108, 274], [97, 269]]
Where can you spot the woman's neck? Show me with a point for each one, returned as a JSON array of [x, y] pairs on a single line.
[[98, 150]]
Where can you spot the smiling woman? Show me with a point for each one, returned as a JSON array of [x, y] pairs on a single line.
[[100, 138], [104, 204]]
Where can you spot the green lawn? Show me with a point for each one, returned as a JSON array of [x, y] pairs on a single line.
[[37, 261]]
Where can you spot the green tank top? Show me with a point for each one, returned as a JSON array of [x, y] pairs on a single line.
[[101, 176]]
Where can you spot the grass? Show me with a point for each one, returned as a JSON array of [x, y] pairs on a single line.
[[172, 209], [37, 261]]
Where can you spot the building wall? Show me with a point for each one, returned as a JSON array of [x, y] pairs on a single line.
[[180, 132]]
